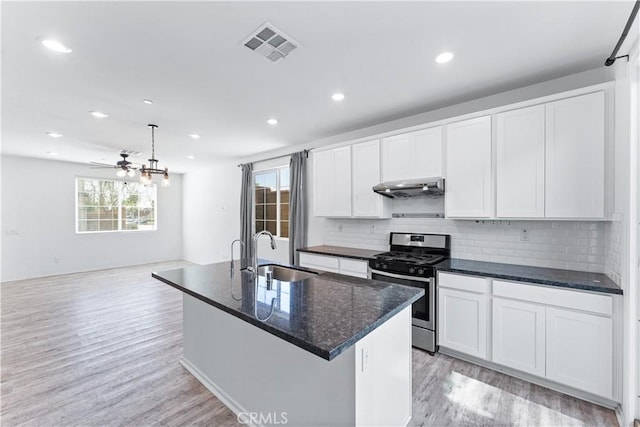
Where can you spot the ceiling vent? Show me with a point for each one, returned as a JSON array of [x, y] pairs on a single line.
[[271, 43]]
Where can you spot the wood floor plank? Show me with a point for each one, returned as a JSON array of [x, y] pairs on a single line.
[[102, 349]]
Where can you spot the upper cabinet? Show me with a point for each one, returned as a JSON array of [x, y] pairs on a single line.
[[366, 174], [468, 180], [550, 160], [412, 155], [343, 178], [332, 182], [575, 153], [520, 163]]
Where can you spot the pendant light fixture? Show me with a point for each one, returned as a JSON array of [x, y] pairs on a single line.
[[146, 173]]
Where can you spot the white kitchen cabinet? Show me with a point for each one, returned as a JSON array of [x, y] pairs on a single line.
[[366, 174], [462, 314], [332, 182], [520, 163], [579, 350], [468, 191], [412, 155], [333, 264], [519, 335], [575, 152]]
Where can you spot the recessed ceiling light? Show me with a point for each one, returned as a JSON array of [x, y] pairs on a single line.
[[444, 57], [147, 101], [337, 96], [194, 136], [54, 134], [52, 153], [272, 122], [98, 114], [190, 157], [56, 46]]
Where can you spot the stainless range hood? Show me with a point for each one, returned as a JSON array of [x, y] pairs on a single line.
[[430, 187]]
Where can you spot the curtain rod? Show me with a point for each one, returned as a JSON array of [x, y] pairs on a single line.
[[306, 152], [612, 58]]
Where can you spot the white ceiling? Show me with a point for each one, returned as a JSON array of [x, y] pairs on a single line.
[[189, 59]]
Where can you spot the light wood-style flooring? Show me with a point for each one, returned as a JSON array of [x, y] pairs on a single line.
[[102, 348]]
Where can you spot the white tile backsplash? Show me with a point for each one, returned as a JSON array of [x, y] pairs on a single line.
[[613, 247], [571, 245]]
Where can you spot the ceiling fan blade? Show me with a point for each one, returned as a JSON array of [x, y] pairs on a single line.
[[102, 164]]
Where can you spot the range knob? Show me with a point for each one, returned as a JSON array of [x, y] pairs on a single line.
[[377, 265], [384, 266], [412, 270], [421, 272]]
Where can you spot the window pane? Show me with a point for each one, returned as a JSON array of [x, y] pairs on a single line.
[[271, 226], [271, 196], [271, 212], [284, 178], [259, 195], [259, 211], [259, 226], [284, 196], [284, 228], [284, 211]]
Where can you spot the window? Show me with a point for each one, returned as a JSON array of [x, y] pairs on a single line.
[[106, 205], [272, 201]]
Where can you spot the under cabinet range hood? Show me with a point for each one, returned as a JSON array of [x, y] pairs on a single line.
[[430, 187]]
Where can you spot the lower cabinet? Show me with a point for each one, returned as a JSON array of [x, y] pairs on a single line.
[[519, 335], [462, 321], [334, 264], [579, 350], [560, 335]]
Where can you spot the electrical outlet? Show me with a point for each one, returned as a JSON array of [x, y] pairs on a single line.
[[373, 228], [56, 260], [524, 235], [339, 228]]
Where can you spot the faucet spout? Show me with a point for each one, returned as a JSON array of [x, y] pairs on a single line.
[[241, 246], [254, 268]]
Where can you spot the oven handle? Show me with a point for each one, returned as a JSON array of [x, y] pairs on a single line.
[[398, 276]]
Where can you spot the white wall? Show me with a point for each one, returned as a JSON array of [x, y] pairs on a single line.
[[38, 223], [211, 212]]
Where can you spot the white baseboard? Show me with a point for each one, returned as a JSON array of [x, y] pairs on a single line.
[[228, 401]]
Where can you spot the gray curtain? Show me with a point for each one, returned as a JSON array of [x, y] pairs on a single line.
[[246, 213], [297, 205]]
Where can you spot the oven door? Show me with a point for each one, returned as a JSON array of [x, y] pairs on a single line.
[[423, 310]]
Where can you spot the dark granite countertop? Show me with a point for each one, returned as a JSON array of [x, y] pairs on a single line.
[[340, 251], [596, 282], [325, 314]]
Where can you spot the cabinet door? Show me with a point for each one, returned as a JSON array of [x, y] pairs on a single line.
[[579, 350], [520, 163], [320, 262], [462, 322], [366, 174], [396, 157], [468, 180], [322, 183], [341, 205], [332, 182], [575, 135], [426, 158], [519, 335]]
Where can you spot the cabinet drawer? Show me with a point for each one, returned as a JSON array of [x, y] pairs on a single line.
[[326, 263], [463, 282], [576, 300], [353, 267]]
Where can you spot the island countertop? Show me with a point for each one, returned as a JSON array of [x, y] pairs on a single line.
[[324, 314]]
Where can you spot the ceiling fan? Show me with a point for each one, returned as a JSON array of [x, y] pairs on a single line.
[[124, 166]]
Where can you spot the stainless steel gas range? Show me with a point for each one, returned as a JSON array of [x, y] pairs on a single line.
[[411, 262]]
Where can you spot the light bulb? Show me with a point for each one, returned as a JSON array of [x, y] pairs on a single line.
[[121, 173], [131, 173], [165, 179]]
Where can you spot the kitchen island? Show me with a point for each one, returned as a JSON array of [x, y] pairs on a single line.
[[335, 351]]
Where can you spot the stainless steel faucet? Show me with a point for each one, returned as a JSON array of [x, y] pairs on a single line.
[[254, 269], [241, 246], [254, 263]]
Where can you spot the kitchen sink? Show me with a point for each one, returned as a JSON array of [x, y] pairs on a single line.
[[285, 274]]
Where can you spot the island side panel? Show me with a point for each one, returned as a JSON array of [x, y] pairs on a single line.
[[251, 370], [383, 374]]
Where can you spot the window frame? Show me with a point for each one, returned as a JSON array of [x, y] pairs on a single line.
[[121, 183], [278, 170]]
